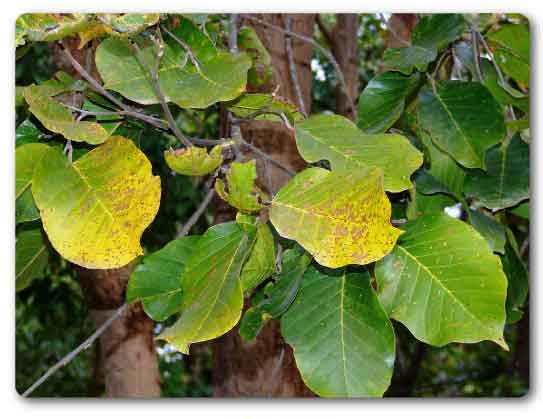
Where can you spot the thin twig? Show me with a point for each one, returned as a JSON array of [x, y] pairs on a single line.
[[501, 78], [324, 51], [92, 81], [292, 67], [97, 87], [476, 58], [187, 48], [156, 122], [153, 72], [198, 213], [85, 345], [262, 154]]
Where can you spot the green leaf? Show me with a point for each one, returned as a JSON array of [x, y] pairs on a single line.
[[432, 34], [57, 118], [262, 71], [502, 95], [421, 204], [443, 283], [264, 106], [261, 262], [218, 76], [31, 257], [463, 119], [517, 279], [338, 140], [407, 59], [240, 190], [251, 324], [194, 161], [489, 228], [339, 219], [27, 157], [438, 30], [507, 179], [443, 167], [27, 133], [212, 293], [522, 210], [95, 210], [511, 45], [279, 294], [343, 340], [383, 100], [156, 282]]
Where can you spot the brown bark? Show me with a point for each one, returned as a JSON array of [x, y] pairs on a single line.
[[400, 27], [344, 39], [266, 366], [126, 358]]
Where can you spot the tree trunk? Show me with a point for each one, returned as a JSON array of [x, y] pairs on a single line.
[[344, 39], [266, 366], [126, 357], [400, 26]]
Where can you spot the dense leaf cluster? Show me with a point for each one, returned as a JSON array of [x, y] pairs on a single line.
[[444, 125]]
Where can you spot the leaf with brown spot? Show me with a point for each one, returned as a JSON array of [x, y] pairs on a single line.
[[95, 210], [340, 219]]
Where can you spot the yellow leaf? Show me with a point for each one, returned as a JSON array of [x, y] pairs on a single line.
[[340, 219], [95, 210], [57, 118], [194, 161]]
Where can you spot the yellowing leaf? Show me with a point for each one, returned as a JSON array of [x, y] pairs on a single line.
[[212, 294], [95, 210], [57, 118], [242, 192], [49, 27], [194, 161], [338, 140], [339, 219], [118, 24]]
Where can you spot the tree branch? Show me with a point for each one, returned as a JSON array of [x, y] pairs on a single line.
[[97, 87], [292, 67], [69, 357], [198, 213], [311, 41], [153, 72]]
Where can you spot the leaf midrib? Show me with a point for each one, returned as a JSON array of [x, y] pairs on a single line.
[[458, 128], [449, 292]]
